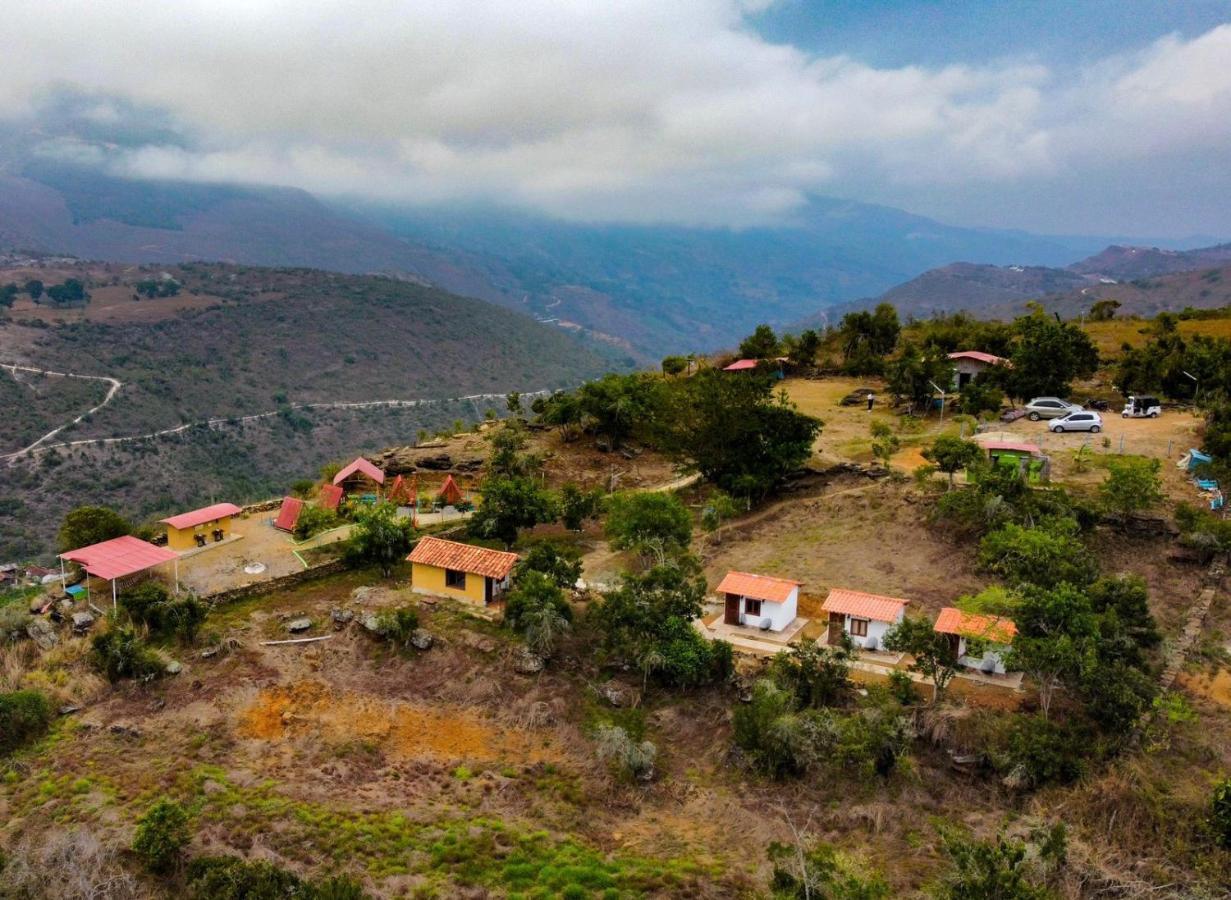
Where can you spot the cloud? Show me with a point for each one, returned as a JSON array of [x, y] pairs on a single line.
[[638, 110]]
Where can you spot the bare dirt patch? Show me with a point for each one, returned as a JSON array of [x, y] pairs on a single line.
[[1216, 686]]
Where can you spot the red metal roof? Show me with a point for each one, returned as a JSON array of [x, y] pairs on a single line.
[[741, 365], [1019, 447], [989, 628], [288, 515], [360, 465], [432, 551], [864, 606], [201, 516], [758, 587], [450, 492], [119, 557], [329, 497], [979, 356]]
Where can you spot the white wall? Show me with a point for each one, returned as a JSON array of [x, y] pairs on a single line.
[[876, 633], [994, 652], [779, 615]]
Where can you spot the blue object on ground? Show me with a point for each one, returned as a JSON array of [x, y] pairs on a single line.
[[1197, 458], [75, 591]]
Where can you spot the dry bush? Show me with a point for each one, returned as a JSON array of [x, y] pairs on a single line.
[[65, 674], [16, 661], [68, 865]]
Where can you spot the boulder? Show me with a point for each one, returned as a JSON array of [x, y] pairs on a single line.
[[527, 663], [298, 626], [174, 667], [342, 618], [82, 621], [372, 624], [618, 695], [43, 633], [438, 463], [421, 639]]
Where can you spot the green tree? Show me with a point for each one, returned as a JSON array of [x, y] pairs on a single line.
[[615, 407], [952, 454], [161, 836], [510, 504], [559, 562], [1104, 310], [980, 396], [816, 675], [8, 293], [916, 373], [119, 652], [507, 457], [578, 505], [88, 525], [1047, 554], [884, 442], [934, 654], [718, 508], [34, 288], [761, 344], [806, 348], [655, 524], [818, 872], [867, 338], [735, 432], [313, 520], [512, 401], [989, 870], [1132, 485], [674, 365], [1220, 812], [1047, 356], [380, 537]]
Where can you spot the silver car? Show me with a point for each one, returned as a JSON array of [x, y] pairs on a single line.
[[1078, 421], [1049, 408]]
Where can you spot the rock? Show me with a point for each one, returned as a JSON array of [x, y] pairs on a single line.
[[128, 731], [372, 624], [876, 472], [362, 594], [527, 663], [479, 642], [342, 618], [210, 652], [421, 639], [69, 710], [297, 626], [437, 463], [82, 621], [43, 633], [174, 667], [617, 694]]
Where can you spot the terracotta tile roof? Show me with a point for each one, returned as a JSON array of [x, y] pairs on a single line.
[[996, 629], [362, 466], [288, 515], [119, 557], [864, 606], [330, 496], [432, 551], [978, 356], [201, 516], [758, 587]]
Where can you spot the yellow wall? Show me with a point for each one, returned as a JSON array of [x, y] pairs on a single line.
[[431, 580], [179, 539]]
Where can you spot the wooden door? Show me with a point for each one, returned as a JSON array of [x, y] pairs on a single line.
[[731, 614]]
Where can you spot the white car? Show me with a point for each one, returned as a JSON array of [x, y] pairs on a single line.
[[1077, 421]]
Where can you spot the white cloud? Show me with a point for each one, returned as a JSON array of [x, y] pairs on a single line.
[[641, 109]]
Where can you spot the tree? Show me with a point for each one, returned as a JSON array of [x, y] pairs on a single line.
[[88, 525], [1047, 355], [161, 836], [1220, 813], [916, 373], [818, 872], [512, 401], [381, 537], [617, 406], [735, 432], [1131, 486], [560, 563], [761, 344], [34, 288], [653, 523], [71, 291], [1049, 661], [884, 442], [718, 509], [1046, 555], [867, 337], [119, 652], [510, 504], [506, 457], [577, 505], [952, 454], [313, 520], [674, 365], [979, 396], [816, 675], [8, 293], [806, 348], [935, 655], [1104, 310]]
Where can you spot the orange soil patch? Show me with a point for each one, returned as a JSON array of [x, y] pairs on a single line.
[[408, 731], [1216, 687], [909, 459]]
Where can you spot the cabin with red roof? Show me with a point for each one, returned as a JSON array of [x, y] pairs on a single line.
[[979, 642], [360, 477], [864, 618], [461, 571], [200, 527], [758, 601], [969, 364]]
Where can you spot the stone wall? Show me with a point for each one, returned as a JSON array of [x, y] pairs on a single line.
[[271, 585]]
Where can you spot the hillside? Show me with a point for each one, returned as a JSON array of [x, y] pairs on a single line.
[[241, 342], [648, 289], [1128, 263]]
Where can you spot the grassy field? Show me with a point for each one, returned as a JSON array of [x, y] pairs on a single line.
[[1110, 336]]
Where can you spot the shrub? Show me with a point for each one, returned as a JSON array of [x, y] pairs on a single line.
[[120, 653], [397, 625], [13, 622], [1220, 817], [380, 537], [313, 520], [1046, 752], [560, 563], [628, 758], [1131, 486], [232, 878], [1046, 555], [25, 716], [819, 871], [650, 523], [1001, 869], [816, 675], [162, 833], [150, 604]]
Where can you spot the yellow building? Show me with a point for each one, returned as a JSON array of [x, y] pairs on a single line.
[[201, 527], [461, 571]]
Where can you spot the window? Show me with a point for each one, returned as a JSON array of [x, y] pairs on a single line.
[[859, 627], [455, 579], [752, 607]]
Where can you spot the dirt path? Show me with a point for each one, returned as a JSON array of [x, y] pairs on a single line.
[[114, 385]]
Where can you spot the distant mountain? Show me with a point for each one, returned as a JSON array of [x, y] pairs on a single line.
[[646, 290], [1126, 263], [1206, 288]]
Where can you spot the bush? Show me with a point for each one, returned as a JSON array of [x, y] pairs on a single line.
[[1047, 753], [120, 653], [562, 564], [313, 520], [650, 523], [1046, 555], [25, 716], [537, 609], [381, 537], [397, 625], [819, 871], [150, 604], [815, 675], [1220, 817], [162, 833], [13, 622], [628, 758], [232, 878]]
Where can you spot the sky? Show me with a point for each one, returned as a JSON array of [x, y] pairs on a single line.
[[1071, 118]]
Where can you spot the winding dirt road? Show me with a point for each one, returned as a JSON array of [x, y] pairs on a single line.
[[115, 385]]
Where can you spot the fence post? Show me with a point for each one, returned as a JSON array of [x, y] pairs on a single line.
[[1121, 451]]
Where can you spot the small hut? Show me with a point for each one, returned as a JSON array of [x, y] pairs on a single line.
[[288, 515], [330, 497], [360, 478], [450, 494]]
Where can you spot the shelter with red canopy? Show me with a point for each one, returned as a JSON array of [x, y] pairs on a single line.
[[119, 557]]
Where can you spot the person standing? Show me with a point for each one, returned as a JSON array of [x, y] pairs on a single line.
[[871, 400]]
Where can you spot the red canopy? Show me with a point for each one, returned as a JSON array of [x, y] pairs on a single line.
[[450, 492], [330, 496], [288, 515], [119, 557], [362, 466], [741, 365]]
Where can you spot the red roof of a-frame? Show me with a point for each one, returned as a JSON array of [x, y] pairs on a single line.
[[450, 492], [288, 515], [363, 466], [330, 496]]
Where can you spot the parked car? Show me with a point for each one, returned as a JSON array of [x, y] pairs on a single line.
[[1049, 408], [1078, 421], [1142, 408]]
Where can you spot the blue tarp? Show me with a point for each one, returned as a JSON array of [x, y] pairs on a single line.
[[74, 591], [1197, 458]]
